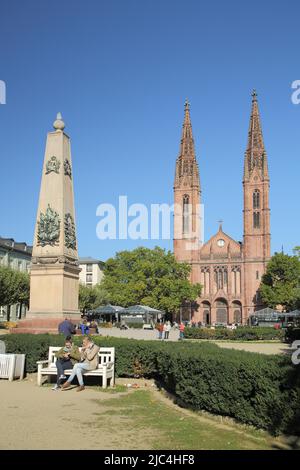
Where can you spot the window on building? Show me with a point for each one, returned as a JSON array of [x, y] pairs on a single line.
[[256, 199], [257, 274], [185, 224], [89, 268], [221, 278], [89, 278], [256, 219]]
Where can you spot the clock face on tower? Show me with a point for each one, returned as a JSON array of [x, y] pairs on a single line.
[[221, 242]]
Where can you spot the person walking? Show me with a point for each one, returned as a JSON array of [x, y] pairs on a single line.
[[160, 328], [89, 361], [181, 330], [167, 329]]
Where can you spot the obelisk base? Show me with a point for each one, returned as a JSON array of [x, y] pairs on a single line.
[[53, 297]]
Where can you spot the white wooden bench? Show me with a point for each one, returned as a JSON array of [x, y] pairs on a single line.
[[106, 366]]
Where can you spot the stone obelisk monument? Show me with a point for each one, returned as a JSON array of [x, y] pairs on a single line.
[[54, 277]]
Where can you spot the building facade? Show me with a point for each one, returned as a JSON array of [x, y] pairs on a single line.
[[91, 271], [17, 256], [229, 271]]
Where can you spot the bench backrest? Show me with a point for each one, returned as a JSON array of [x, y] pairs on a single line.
[[105, 355]]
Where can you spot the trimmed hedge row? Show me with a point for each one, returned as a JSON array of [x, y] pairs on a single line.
[[243, 333], [252, 388]]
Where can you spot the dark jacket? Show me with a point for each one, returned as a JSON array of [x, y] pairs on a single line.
[[74, 354], [66, 328]]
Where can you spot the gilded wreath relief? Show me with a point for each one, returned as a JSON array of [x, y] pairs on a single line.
[[67, 168], [53, 164], [70, 233], [48, 228]]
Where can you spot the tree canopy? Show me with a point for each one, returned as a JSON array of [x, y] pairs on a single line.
[[149, 277], [91, 297], [14, 286], [281, 283]]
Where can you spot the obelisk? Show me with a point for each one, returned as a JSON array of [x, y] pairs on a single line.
[[54, 275]]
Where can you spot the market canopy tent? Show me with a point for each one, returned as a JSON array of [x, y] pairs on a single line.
[[142, 312], [107, 310], [269, 315]]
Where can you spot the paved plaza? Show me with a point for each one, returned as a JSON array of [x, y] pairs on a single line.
[[259, 347]]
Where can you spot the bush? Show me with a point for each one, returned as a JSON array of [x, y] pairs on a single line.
[[135, 325], [253, 388], [6, 325], [292, 334], [105, 325], [242, 333]]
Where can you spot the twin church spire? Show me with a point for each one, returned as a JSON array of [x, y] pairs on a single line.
[[255, 155], [187, 172]]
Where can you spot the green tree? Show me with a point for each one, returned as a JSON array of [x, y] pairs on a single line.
[[281, 283], [149, 277], [91, 297], [296, 251], [14, 288]]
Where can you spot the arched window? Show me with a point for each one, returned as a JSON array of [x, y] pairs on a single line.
[[221, 311], [256, 219], [256, 199], [206, 313], [237, 312], [185, 222], [221, 277]]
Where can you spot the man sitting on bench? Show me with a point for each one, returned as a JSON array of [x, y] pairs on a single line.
[[89, 361]]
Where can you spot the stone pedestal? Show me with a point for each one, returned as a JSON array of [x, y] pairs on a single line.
[[54, 291]]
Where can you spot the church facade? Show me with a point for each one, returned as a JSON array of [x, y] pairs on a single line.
[[229, 271]]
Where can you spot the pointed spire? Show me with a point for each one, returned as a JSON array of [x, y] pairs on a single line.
[[187, 148], [255, 156]]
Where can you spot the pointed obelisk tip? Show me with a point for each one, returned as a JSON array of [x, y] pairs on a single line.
[[59, 124], [186, 105], [254, 95]]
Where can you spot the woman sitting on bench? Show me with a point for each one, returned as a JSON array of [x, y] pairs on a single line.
[[89, 361]]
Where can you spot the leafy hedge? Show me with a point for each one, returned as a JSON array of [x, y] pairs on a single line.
[[253, 388], [292, 334], [240, 334]]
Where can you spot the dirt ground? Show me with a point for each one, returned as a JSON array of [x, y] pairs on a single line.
[[35, 417]]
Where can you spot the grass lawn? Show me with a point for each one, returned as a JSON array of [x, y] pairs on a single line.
[[150, 422]]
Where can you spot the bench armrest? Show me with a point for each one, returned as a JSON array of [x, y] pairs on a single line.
[[43, 362]]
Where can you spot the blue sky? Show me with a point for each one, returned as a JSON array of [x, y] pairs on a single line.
[[119, 72]]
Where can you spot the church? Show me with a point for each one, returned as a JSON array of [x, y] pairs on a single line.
[[229, 271]]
